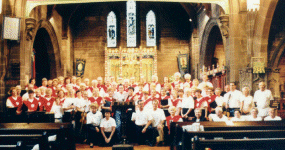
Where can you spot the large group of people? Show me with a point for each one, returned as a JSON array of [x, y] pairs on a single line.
[[72, 99]]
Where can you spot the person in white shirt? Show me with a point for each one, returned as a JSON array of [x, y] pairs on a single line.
[[272, 116], [157, 123], [26, 95], [69, 106], [253, 115], [155, 81], [246, 101], [119, 96], [143, 120], [219, 99], [205, 83], [187, 105], [93, 121], [108, 128], [219, 116], [57, 111], [233, 99], [238, 116], [262, 98]]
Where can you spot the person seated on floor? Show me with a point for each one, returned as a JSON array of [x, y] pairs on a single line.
[[253, 115], [108, 128], [198, 116], [272, 116], [143, 120], [237, 116], [218, 116], [93, 119]]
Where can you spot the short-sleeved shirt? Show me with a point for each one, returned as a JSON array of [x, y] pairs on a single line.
[[262, 99], [94, 119], [108, 124], [247, 102], [276, 118], [68, 102], [141, 117], [217, 119], [158, 116], [234, 99], [250, 118], [187, 102]]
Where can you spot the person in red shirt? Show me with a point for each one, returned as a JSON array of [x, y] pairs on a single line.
[[48, 101], [164, 102], [187, 78], [165, 80], [14, 101], [201, 102], [61, 96], [31, 102], [96, 98], [173, 117]]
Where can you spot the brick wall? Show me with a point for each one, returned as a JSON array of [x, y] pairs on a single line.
[[172, 35]]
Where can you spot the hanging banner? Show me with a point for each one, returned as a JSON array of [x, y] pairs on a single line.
[[11, 28], [131, 24], [111, 30], [183, 64], [151, 29], [258, 64], [80, 66]]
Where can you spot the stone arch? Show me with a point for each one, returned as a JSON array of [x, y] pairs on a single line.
[[262, 27], [212, 23], [55, 45]]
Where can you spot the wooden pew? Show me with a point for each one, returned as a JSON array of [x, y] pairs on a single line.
[[221, 129], [228, 144], [64, 131], [23, 141]]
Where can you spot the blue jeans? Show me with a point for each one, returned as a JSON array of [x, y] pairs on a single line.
[[118, 115]]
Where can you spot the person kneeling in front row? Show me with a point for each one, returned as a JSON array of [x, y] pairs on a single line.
[[108, 128], [94, 118]]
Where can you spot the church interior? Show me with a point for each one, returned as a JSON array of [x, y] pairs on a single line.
[[142, 74]]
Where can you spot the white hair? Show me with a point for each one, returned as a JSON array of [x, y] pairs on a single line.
[[187, 75]]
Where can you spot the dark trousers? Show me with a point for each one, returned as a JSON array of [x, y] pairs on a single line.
[[93, 136], [142, 137], [232, 111], [112, 141]]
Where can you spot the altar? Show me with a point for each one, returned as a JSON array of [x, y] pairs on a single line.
[[131, 62]]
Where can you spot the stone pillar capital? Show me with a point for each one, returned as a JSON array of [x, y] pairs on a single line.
[[224, 19], [30, 27]]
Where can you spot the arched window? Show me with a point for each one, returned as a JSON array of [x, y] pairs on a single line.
[[150, 29], [131, 24], [111, 30]]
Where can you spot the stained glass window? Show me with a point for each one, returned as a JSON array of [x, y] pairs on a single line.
[[111, 30], [150, 29], [131, 24]]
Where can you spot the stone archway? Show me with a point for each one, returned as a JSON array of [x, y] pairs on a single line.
[[53, 49], [211, 37], [262, 27]]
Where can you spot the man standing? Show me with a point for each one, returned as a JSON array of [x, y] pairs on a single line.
[[262, 98], [233, 99]]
